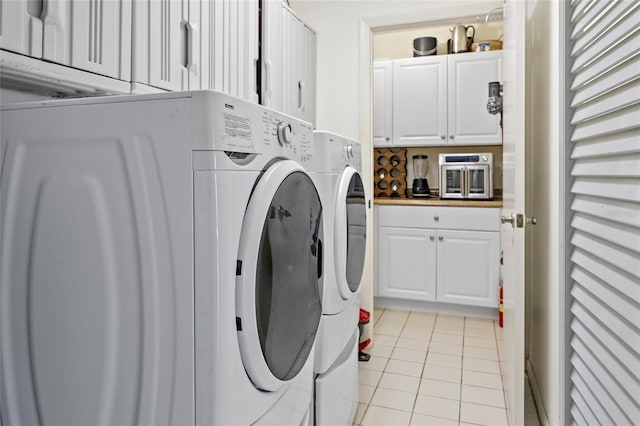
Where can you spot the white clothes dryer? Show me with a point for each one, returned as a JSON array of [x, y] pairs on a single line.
[[337, 172], [161, 262]]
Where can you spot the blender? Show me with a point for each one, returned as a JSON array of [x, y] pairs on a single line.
[[420, 168]]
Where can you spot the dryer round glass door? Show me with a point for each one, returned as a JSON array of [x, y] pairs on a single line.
[[350, 232], [278, 300]]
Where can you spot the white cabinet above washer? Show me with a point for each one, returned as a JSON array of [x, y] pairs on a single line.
[[81, 34]]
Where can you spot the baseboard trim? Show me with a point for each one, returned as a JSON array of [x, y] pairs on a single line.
[[537, 396], [435, 307]]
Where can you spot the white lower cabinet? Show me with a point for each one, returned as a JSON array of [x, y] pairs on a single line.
[[438, 254], [468, 267], [407, 263]]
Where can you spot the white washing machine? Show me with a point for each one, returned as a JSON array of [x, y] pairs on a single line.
[[337, 172], [161, 259]]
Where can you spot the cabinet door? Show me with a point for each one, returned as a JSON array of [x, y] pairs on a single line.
[[272, 53], [306, 48], [291, 29], [91, 35], [382, 103], [21, 27], [469, 76], [468, 267], [222, 47], [159, 39], [407, 263], [308, 73], [420, 101]]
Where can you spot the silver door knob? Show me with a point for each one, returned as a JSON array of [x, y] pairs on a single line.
[[511, 219], [432, 238], [440, 238]]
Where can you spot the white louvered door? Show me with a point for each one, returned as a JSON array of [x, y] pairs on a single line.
[[603, 294]]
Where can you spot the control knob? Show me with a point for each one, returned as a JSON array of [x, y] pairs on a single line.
[[285, 133], [349, 150]]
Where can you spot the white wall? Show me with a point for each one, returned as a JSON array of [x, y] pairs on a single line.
[[544, 191], [344, 70]]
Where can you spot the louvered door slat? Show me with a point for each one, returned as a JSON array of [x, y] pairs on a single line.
[[600, 28], [615, 211], [615, 122], [610, 102], [612, 233], [621, 350], [614, 79], [627, 49], [625, 165], [590, 17]]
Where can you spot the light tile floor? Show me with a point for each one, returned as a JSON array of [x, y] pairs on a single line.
[[429, 369]]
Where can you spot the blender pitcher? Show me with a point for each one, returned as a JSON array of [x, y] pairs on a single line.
[[420, 168]]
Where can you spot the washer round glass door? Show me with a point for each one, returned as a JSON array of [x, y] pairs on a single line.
[[278, 300], [350, 232]]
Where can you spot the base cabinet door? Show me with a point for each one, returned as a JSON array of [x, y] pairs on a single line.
[[407, 263], [468, 267]]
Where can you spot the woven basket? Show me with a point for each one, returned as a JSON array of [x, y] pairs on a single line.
[[493, 45]]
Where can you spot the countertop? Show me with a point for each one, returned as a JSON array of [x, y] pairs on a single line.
[[434, 201]]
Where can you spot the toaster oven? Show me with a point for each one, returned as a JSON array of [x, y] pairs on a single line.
[[466, 176]]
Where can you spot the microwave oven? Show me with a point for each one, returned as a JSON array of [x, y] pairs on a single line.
[[466, 176]]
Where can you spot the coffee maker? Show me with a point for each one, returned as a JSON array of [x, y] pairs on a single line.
[[420, 187]]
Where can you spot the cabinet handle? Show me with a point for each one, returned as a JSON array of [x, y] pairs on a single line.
[[301, 95], [387, 138], [451, 136], [267, 78], [192, 33], [436, 218], [432, 238], [440, 238], [443, 137]]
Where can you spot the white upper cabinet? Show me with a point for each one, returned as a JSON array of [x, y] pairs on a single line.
[[307, 83], [435, 100], [89, 35], [197, 44], [159, 44], [420, 101], [288, 62], [92, 35], [21, 27], [469, 78], [272, 53], [382, 103]]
